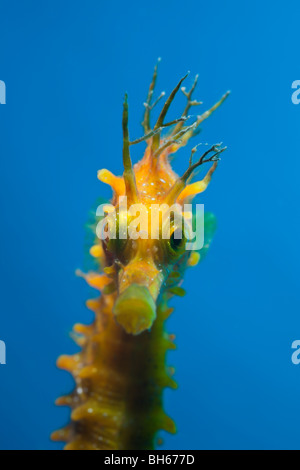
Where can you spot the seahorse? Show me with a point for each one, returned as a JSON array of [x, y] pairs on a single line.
[[120, 372]]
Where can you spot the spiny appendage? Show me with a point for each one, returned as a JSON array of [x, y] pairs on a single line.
[[154, 168], [117, 401]]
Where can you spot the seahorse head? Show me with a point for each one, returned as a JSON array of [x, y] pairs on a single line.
[[146, 227]]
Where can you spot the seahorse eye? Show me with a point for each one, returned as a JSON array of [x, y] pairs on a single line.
[[176, 244], [176, 240], [118, 244]]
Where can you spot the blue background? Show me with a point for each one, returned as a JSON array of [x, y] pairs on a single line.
[[66, 65]]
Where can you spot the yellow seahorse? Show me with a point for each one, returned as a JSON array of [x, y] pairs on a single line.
[[120, 372]]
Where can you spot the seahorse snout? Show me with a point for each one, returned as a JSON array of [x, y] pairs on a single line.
[[135, 309]]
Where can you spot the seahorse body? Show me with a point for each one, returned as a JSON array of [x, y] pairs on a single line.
[[120, 372]]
